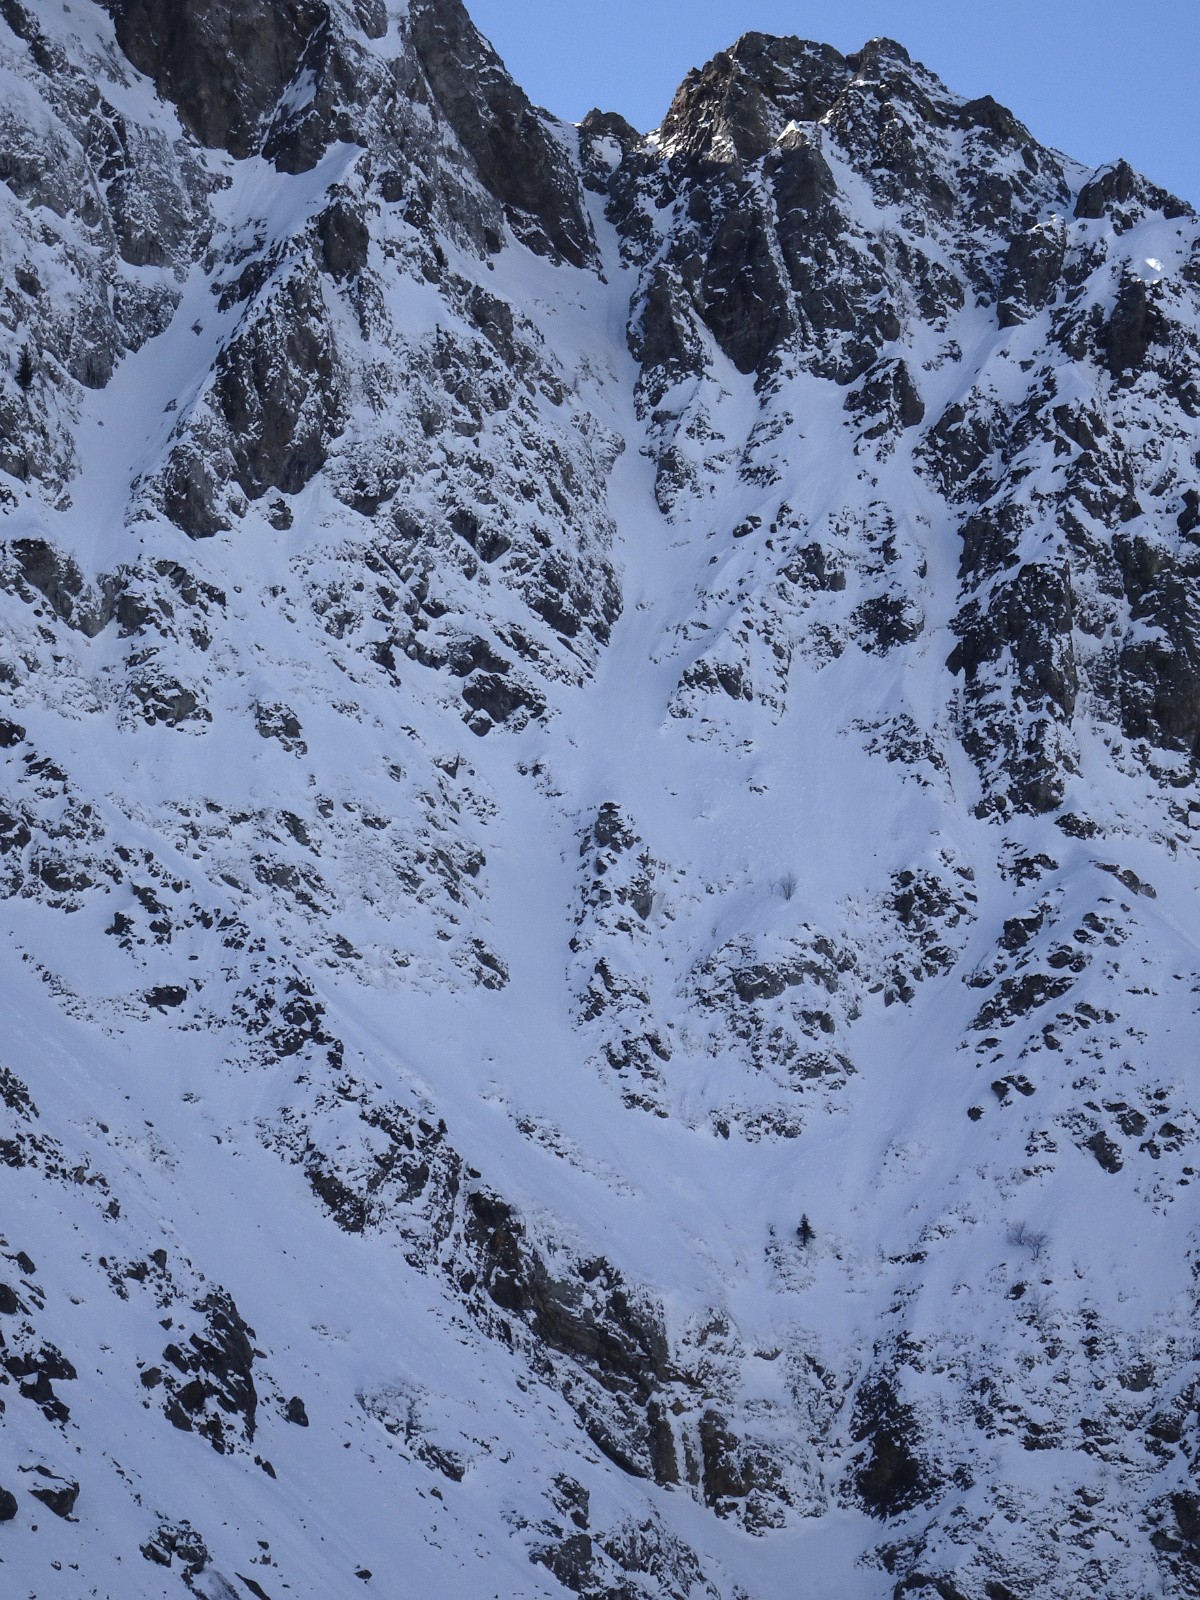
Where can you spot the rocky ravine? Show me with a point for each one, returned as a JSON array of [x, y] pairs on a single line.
[[599, 749]]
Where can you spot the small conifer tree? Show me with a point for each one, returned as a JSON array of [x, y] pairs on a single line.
[[805, 1232], [25, 369]]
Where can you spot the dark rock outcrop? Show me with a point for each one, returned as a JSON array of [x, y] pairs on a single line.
[[224, 65], [215, 1367], [516, 153], [893, 1476], [56, 1494]]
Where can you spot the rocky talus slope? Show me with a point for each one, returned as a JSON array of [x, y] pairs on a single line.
[[598, 755]]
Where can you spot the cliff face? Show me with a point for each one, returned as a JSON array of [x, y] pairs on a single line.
[[597, 782]]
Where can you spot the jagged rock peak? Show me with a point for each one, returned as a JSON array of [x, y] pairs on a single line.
[[517, 156], [289, 78], [737, 106]]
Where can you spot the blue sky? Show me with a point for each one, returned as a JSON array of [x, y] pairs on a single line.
[[1099, 80]]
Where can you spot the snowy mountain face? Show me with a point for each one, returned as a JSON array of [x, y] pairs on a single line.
[[598, 762]]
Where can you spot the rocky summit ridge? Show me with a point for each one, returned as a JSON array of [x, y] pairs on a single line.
[[598, 782]]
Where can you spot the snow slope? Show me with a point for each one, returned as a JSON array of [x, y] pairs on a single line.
[[598, 755]]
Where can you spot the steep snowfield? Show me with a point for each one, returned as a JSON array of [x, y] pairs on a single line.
[[571, 702]]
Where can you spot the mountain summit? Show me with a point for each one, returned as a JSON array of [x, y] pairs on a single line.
[[598, 782]]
